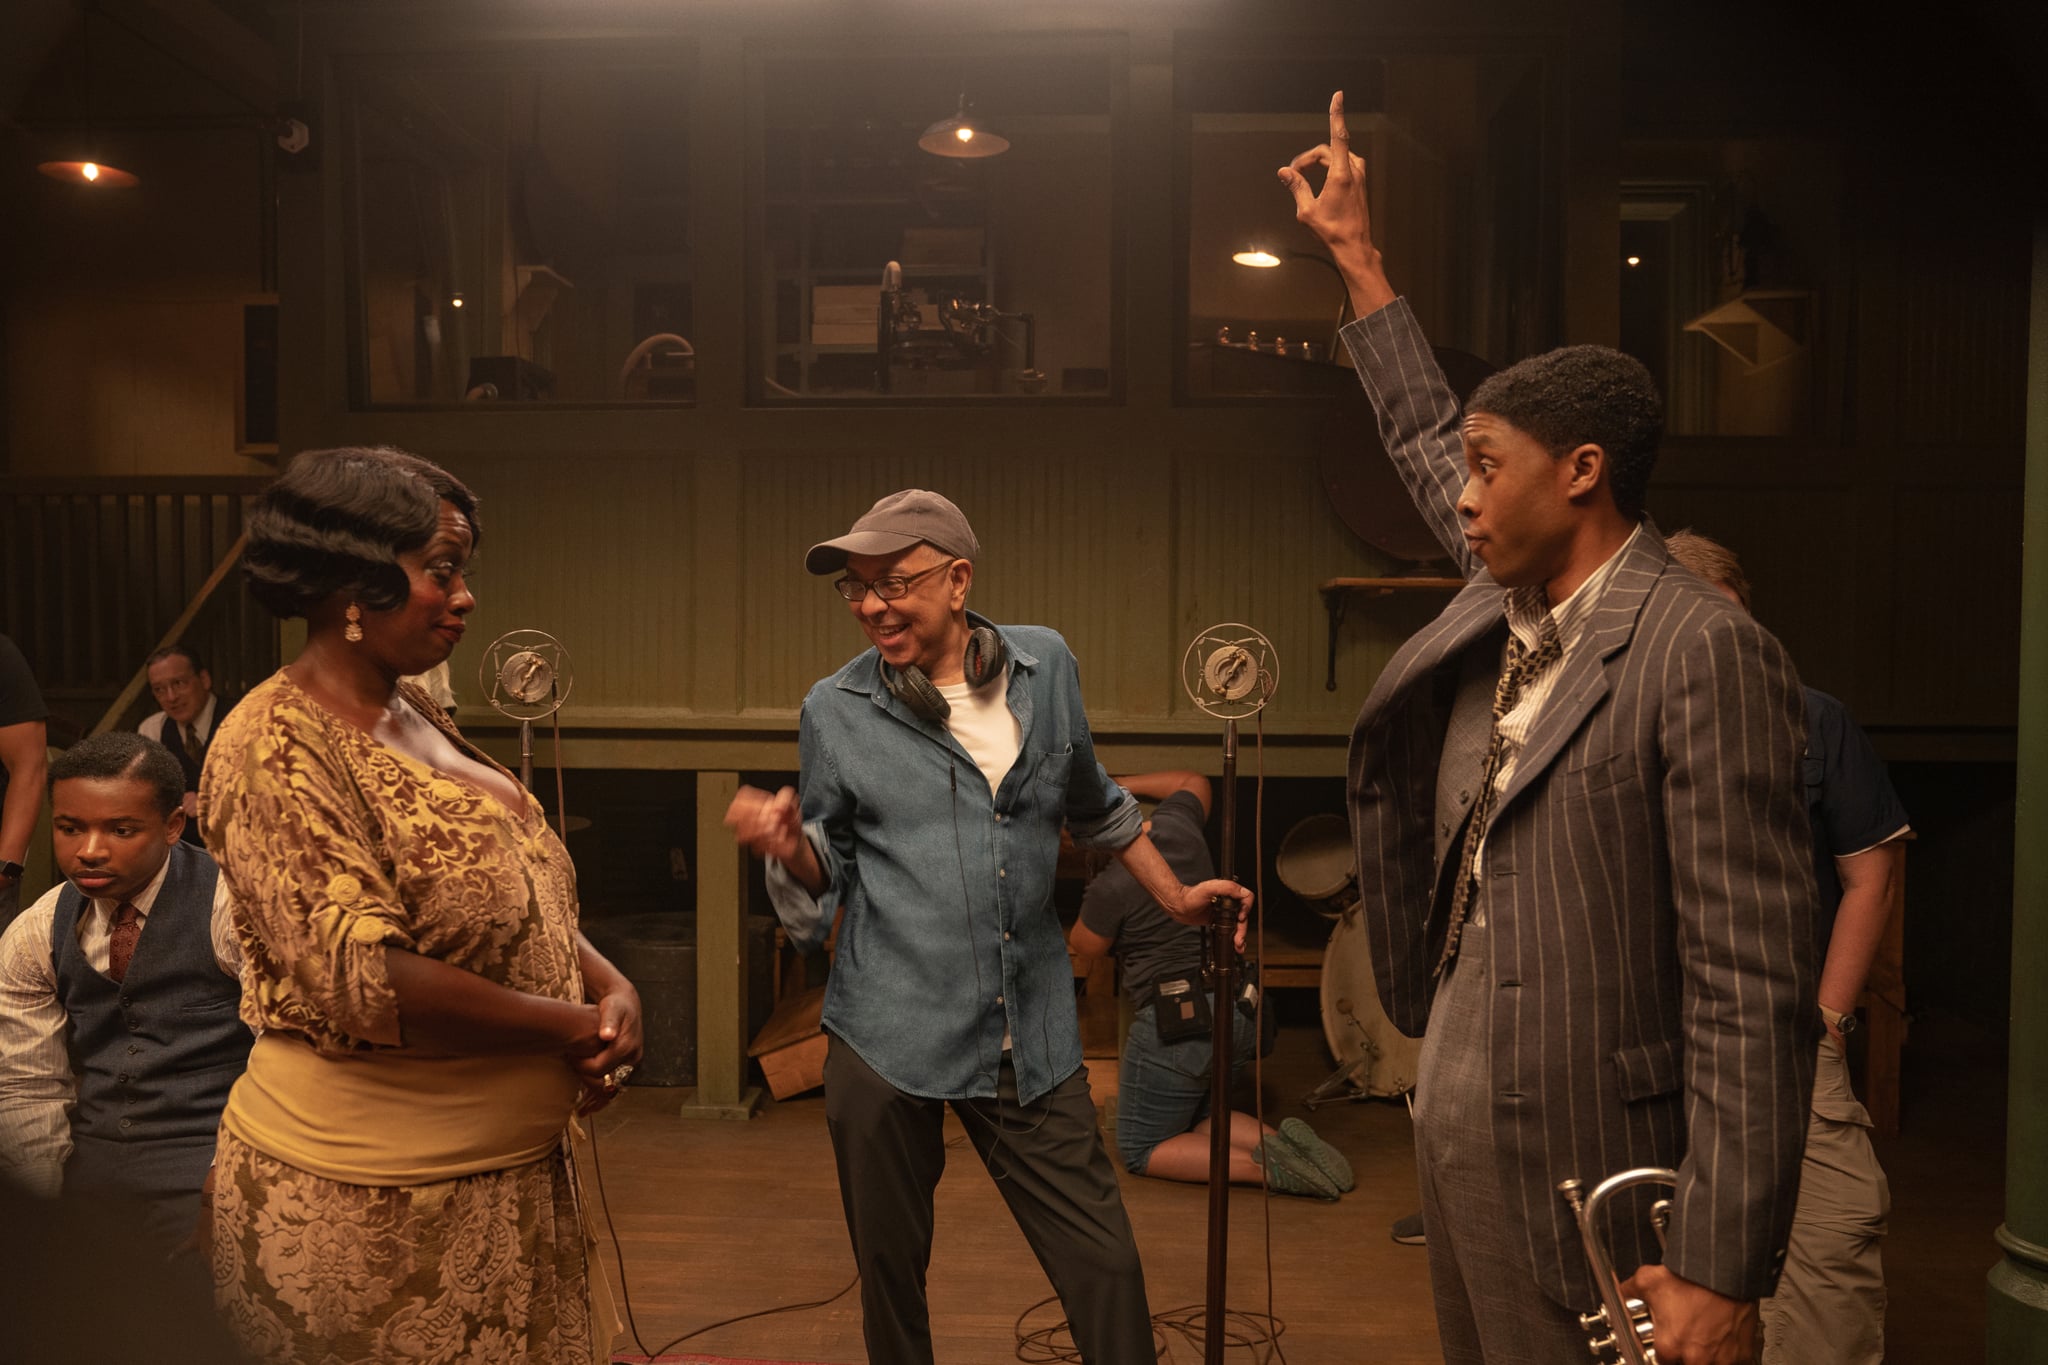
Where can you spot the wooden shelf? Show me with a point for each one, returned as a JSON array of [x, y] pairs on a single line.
[[1337, 592]]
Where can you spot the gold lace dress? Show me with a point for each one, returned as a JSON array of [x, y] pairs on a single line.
[[335, 846]]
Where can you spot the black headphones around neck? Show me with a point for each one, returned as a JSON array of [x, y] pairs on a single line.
[[984, 658]]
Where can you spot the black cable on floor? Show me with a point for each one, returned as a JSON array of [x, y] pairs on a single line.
[[1053, 1344], [625, 1294]]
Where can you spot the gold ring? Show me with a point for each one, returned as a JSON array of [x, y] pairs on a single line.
[[618, 1076]]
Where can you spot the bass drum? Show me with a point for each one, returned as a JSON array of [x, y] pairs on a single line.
[[1382, 1059]]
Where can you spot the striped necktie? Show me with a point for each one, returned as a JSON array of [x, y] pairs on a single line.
[[121, 942], [1523, 666]]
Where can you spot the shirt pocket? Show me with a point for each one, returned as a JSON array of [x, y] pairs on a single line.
[[1648, 1070], [1055, 767]]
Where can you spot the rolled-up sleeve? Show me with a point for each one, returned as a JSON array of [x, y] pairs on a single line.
[[828, 820]]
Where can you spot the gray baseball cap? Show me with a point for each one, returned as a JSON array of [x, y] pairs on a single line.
[[893, 525]]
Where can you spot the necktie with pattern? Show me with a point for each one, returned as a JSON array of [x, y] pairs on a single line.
[[121, 942], [1523, 665]]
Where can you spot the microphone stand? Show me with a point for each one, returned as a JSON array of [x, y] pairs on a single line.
[[1220, 965]]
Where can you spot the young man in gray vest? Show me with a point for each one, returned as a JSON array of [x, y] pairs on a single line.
[[118, 1046]]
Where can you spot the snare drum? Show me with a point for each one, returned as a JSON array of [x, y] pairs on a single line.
[[1316, 863]]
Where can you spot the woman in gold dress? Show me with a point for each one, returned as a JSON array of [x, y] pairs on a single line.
[[392, 1180]]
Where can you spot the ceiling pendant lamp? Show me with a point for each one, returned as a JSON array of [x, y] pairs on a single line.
[[90, 171], [963, 137], [97, 174]]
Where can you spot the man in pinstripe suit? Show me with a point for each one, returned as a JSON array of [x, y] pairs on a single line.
[[1583, 846]]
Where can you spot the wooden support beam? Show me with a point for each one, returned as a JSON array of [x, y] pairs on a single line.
[[720, 1092]]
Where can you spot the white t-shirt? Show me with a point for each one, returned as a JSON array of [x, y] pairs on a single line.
[[982, 722]]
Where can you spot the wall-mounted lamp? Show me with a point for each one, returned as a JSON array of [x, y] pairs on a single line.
[[963, 137], [95, 173], [1259, 258]]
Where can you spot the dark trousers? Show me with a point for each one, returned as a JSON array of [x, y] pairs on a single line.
[[1047, 1159]]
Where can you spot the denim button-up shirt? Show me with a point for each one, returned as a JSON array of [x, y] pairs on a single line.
[[950, 936]]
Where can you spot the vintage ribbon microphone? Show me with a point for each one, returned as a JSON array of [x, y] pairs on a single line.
[[1229, 671], [527, 675]]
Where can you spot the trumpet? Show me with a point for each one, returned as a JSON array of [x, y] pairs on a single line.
[[1619, 1331]]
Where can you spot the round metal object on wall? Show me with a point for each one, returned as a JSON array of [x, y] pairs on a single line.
[[1360, 481], [1353, 1022], [1317, 863]]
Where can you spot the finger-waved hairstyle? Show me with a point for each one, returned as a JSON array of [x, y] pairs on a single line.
[[337, 521], [123, 753], [1580, 395]]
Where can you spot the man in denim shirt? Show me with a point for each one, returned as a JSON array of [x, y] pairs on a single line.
[[937, 769]]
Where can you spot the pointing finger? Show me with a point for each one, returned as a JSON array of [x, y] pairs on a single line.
[[1340, 139]]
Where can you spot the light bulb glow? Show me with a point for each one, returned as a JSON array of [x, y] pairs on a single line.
[[455, 302], [965, 134], [1263, 260], [97, 174], [1635, 260]]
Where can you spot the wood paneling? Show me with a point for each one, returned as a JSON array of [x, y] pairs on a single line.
[[597, 551]]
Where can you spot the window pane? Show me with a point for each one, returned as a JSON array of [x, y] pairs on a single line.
[[521, 236], [1453, 153], [891, 273]]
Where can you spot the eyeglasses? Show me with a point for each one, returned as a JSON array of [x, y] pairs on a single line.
[[888, 589]]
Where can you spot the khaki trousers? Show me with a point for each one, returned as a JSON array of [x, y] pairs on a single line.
[[1829, 1306]]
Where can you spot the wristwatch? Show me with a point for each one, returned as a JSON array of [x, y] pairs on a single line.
[[11, 871], [1844, 1024]]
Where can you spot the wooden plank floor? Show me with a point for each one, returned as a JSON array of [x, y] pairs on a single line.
[[717, 1219]]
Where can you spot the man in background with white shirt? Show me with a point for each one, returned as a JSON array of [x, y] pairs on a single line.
[[183, 687], [120, 1033]]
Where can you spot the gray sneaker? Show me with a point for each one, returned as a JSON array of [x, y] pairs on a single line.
[[1408, 1231], [1289, 1172], [1321, 1154]]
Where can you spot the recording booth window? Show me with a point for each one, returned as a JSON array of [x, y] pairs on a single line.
[[934, 227], [1455, 146], [1729, 248], [519, 234]]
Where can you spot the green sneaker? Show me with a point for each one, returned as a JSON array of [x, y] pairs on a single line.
[[1320, 1154], [1289, 1172]]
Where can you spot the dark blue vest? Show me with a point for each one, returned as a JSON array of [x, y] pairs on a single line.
[[155, 1055]]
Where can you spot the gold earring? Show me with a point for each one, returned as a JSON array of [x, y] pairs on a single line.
[[353, 631]]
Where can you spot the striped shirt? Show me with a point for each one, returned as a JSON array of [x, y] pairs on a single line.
[[37, 1088], [1528, 611]]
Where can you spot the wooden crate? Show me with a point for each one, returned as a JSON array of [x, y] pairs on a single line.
[[791, 1045]]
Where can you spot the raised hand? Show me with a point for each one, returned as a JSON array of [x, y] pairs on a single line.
[[1339, 214], [766, 826]]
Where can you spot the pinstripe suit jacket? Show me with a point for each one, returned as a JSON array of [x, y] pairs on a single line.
[[1648, 880]]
